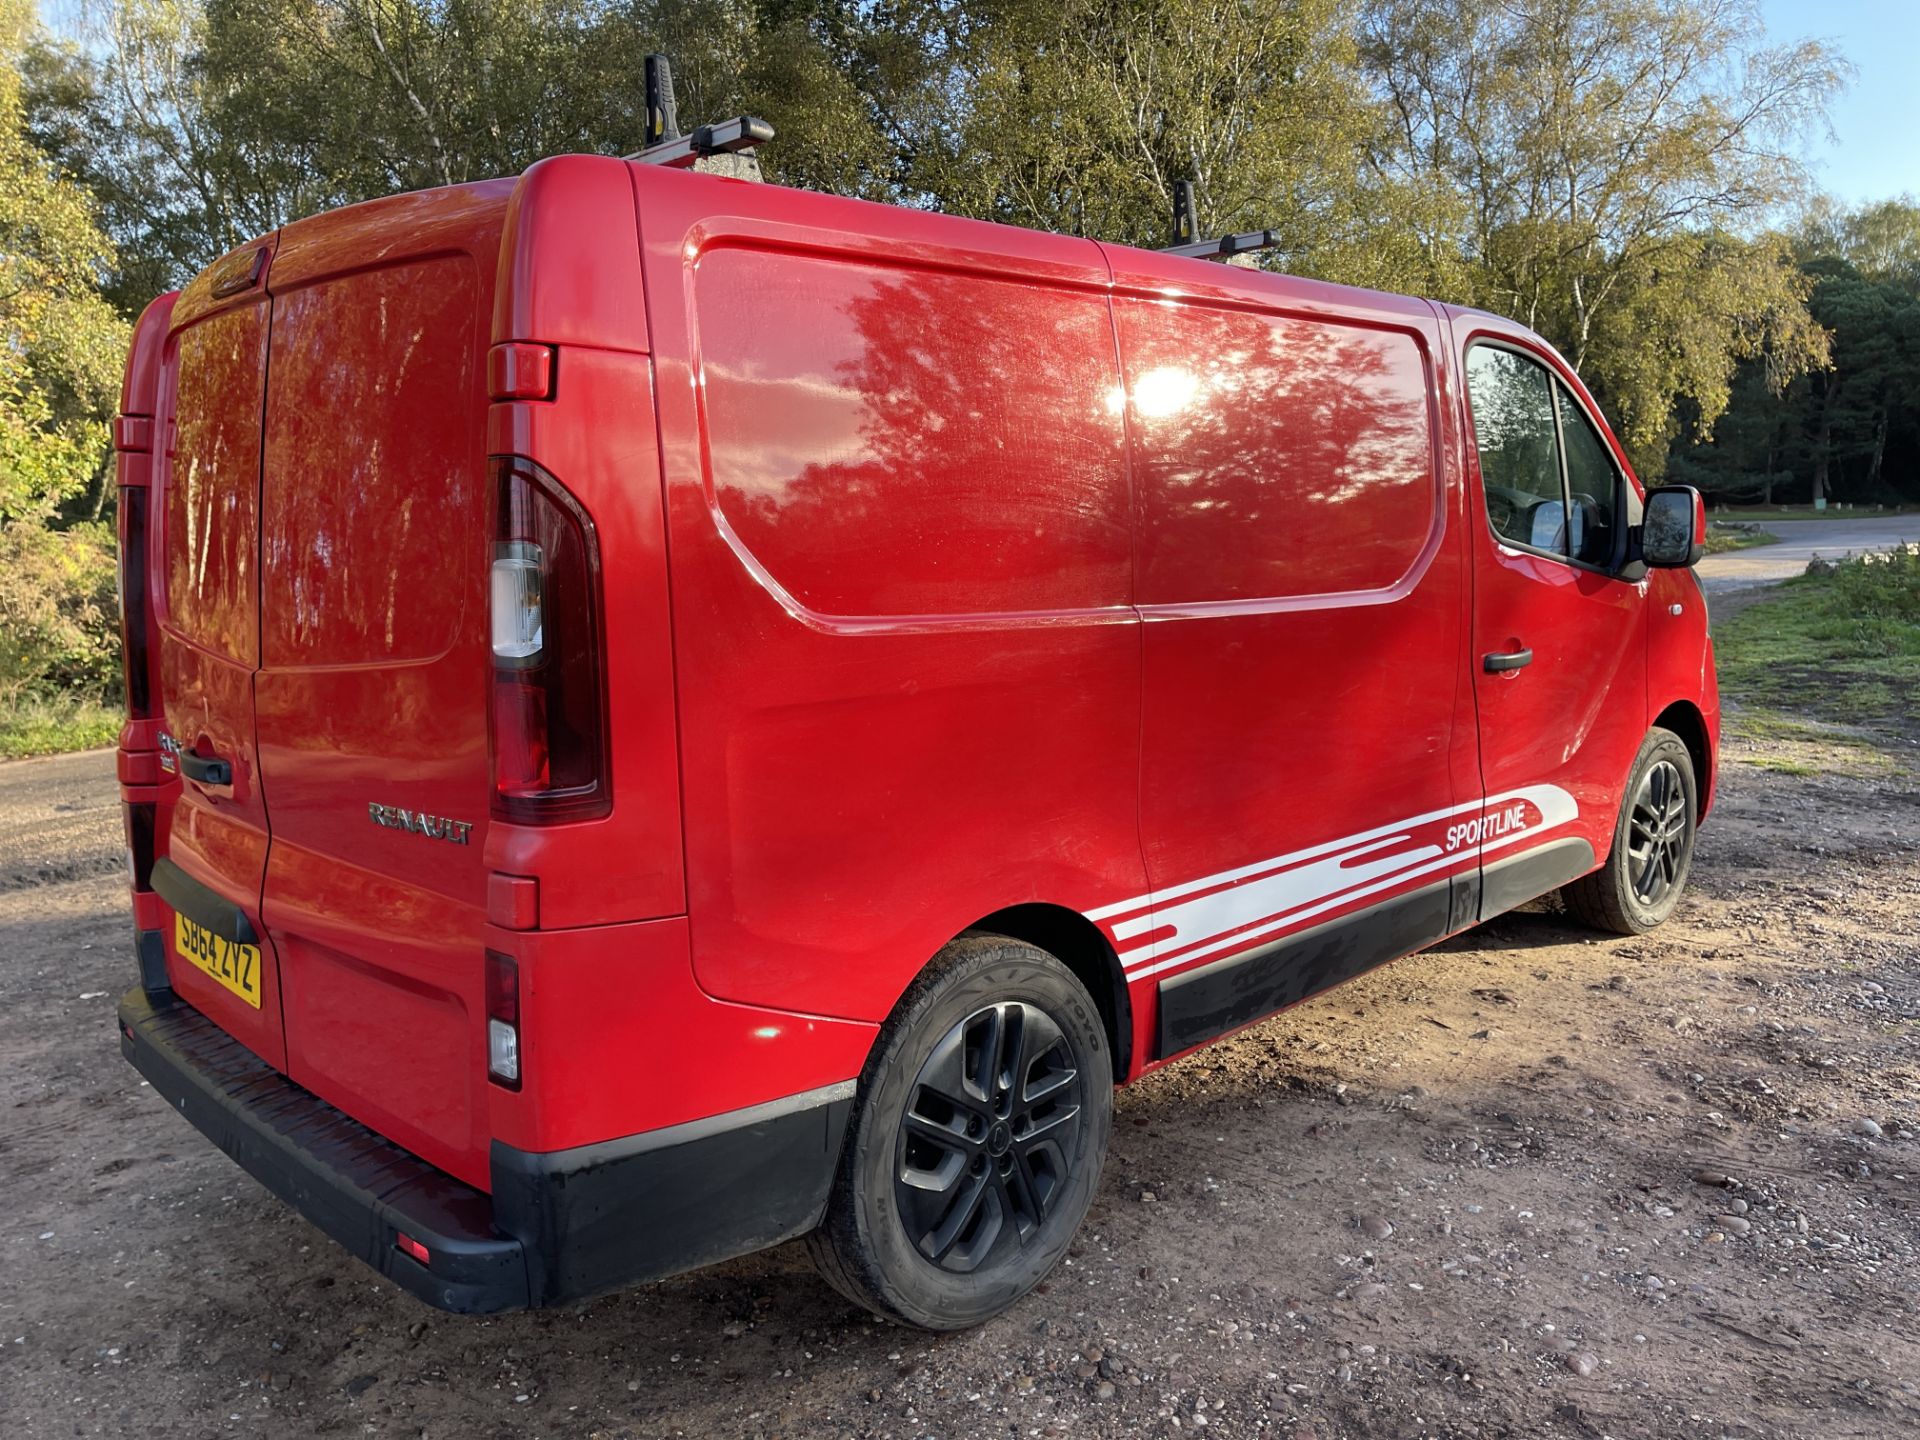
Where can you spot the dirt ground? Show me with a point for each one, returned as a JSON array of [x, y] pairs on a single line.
[[1530, 1184]]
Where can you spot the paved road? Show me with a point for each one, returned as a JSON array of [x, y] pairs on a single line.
[[1800, 541]]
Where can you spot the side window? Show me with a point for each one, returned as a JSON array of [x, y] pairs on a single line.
[[1593, 485], [1512, 399]]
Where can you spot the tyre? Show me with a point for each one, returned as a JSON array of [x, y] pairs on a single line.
[[976, 1140], [1652, 851]]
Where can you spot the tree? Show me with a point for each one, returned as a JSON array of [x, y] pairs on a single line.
[[201, 123], [1874, 385], [61, 345], [1750, 455], [1079, 116], [1851, 430], [1614, 159], [1881, 240]]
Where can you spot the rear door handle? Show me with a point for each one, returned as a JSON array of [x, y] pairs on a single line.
[[206, 770], [1503, 660]]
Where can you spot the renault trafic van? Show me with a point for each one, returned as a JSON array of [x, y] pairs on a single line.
[[670, 714]]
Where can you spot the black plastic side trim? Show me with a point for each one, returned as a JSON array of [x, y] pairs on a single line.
[[206, 908], [1516, 879], [1203, 1004], [1466, 902], [654, 1205], [150, 949]]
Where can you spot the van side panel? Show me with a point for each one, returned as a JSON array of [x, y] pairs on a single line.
[[890, 727], [887, 442], [372, 689], [1301, 588]]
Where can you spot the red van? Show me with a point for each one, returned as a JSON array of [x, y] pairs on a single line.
[[670, 714]]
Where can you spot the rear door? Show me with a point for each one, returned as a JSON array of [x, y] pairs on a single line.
[[214, 822], [375, 664]]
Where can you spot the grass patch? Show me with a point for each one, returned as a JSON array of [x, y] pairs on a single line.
[[1842, 646], [1797, 745], [1760, 727], [1781, 765], [1721, 541], [44, 725]]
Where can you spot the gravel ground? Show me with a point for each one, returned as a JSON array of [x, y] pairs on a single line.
[[1529, 1184]]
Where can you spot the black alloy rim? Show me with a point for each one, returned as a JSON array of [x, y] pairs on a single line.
[[1657, 833], [992, 1129]]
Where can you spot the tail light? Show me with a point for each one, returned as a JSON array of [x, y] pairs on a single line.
[[503, 1020], [134, 604], [548, 713]]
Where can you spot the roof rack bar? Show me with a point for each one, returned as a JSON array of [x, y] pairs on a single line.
[[1226, 245], [728, 137]]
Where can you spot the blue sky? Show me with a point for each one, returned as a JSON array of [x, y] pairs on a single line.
[[1875, 153]]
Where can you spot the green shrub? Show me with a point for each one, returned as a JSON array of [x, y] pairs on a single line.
[[1842, 642], [59, 614], [1880, 590], [54, 724]]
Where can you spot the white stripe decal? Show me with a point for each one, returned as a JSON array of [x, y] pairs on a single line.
[[1249, 905]]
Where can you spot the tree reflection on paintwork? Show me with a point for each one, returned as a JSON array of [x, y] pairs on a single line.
[[1298, 461], [213, 485], [369, 446], [979, 424], [958, 421]]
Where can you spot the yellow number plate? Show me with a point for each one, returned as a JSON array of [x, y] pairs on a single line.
[[235, 966]]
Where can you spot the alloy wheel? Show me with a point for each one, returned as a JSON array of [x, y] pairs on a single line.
[[1658, 833], [992, 1128]]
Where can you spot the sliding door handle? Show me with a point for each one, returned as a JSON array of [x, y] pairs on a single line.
[[1502, 661]]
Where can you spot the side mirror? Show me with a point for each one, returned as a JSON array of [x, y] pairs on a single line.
[[1673, 531]]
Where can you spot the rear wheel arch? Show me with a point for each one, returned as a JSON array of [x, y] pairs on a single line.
[[1684, 719], [1077, 943]]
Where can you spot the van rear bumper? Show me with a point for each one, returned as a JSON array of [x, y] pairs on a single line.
[[559, 1226]]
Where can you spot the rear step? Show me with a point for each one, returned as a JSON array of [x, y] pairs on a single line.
[[365, 1192], [560, 1225]]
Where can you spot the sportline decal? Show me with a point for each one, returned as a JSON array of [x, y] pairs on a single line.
[[1238, 909]]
